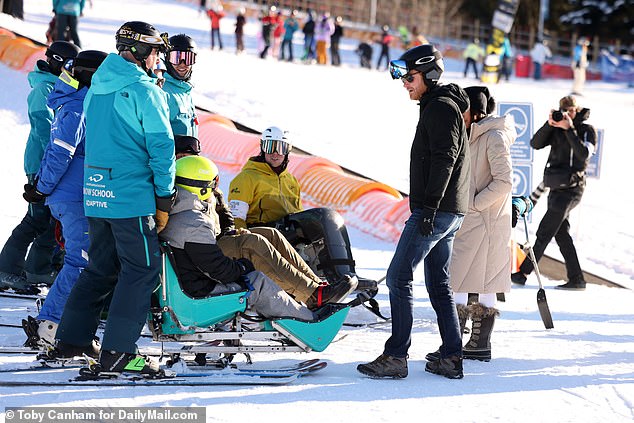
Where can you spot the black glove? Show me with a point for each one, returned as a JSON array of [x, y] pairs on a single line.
[[31, 194], [245, 265], [165, 204], [426, 223]]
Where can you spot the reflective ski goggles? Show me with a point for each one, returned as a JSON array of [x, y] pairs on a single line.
[[275, 146], [398, 69], [175, 57]]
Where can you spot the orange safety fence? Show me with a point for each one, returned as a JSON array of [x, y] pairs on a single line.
[[299, 164], [336, 189], [368, 214], [204, 117], [17, 51], [29, 63], [227, 147], [4, 41], [4, 31]]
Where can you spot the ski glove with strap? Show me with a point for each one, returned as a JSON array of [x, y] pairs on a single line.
[[163, 207], [31, 194], [426, 222]]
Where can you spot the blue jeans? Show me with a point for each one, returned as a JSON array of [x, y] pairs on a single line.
[[538, 71], [435, 250], [124, 261]]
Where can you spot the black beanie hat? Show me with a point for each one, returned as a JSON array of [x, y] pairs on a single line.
[[480, 100]]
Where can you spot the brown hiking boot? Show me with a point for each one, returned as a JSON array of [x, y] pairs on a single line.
[[450, 367], [385, 366]]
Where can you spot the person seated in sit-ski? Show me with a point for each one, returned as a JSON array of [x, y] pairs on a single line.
[[203, 269], [265, 247]]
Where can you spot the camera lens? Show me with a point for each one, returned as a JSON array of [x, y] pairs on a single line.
[[557, 115]]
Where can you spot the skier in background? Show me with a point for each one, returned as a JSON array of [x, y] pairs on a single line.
[[384, 41], [240, 22], [216, 13], [335, 38], [473, 55]]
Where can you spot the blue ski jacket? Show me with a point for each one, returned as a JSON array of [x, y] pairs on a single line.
[[40, 116], [182, 110], [129, 142], [61, 174], [69, 7]]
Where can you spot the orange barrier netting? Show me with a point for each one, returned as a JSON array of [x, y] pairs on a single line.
[[229, 148], [17, 51], [5, 39], [29, 63], [204, 117], [368, 214], [336, 189], [299, 164]]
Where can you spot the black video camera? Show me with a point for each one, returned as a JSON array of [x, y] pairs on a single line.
[[557, 115]]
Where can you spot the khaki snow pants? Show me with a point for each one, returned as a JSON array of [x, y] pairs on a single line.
[[273, 255]]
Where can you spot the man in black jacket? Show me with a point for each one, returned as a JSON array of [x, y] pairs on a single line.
[[572, 143], [439, 190]]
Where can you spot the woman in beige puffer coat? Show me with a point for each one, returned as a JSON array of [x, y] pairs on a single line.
[[481, 261]]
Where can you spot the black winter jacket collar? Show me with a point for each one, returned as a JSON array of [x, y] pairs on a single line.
[[439, 158]]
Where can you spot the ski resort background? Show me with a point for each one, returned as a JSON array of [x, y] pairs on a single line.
[[580, 371]]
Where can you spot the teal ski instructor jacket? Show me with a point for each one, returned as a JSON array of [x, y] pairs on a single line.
[[129, 142], [40, 116], [181, 105]]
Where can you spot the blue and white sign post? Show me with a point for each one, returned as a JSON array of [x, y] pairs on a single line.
[[522, 113], [521, 151]]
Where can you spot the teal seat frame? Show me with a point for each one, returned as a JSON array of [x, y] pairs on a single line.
[[183, 315]]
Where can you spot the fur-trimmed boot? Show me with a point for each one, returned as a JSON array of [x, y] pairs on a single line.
[[463, 316], [479, 345]]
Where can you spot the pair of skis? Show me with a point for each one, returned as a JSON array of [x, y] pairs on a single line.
[[67, 375]]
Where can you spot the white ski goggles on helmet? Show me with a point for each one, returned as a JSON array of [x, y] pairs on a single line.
[[276, 146]]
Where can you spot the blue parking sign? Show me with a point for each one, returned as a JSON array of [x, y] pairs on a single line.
[[594, 165], [522, 179], [523, 115]]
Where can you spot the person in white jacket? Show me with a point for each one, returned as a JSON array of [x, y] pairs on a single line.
[[539, 53], [481, 262]]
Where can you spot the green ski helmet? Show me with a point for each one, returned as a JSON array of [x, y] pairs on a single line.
[[197, 174]]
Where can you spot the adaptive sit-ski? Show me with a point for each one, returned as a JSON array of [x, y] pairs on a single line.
[[220, 323]]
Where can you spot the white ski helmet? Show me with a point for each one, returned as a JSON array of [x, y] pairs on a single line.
[[273, 140]]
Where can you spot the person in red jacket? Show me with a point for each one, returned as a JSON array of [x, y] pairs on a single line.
[[215, 14], [278, 32]]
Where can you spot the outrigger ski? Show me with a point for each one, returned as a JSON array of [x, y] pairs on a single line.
[[68, 377], [33, 297], [189, 369]]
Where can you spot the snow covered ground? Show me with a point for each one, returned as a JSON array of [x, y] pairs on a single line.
[[581, 371]]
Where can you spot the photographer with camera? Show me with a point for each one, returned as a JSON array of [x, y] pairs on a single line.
[[572, 142]]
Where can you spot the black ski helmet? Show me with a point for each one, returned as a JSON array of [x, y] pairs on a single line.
[[180, 42], [85, 65], [424, 58], [58, 53], [140, 38]]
